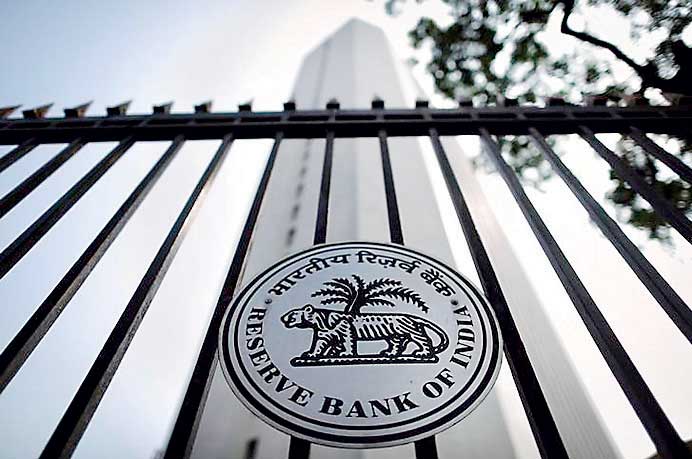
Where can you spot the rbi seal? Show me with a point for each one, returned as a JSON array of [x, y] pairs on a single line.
[[360, 345]]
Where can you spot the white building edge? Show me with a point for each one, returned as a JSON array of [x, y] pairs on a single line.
[[353, 65]]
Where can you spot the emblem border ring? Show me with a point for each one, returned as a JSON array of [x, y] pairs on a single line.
[[420, 431]]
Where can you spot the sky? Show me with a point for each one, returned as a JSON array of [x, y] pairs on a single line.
[[232, 52]]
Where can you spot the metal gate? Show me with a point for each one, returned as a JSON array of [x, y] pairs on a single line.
[[76, 129]]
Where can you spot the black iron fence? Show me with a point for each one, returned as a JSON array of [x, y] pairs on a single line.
[[76, 130]]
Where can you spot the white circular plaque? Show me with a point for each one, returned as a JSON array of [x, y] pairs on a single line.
[[360, 345]]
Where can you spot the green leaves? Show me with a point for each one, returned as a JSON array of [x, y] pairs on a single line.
[[635, 210], [498, 47]]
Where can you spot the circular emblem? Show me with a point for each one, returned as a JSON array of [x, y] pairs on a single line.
[[360, 345]]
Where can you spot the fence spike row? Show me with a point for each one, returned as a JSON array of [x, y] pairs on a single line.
[[537, 122], [118, 110], [635, 100], [465, 102], [77, 112], [556, 102], [204, 107], [37, 112], [503, 101], [333, 104], [596, 100], [245, 107], [7, 111], [677, 98], [163, 109]]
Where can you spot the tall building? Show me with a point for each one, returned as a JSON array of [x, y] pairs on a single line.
[[354, 65]]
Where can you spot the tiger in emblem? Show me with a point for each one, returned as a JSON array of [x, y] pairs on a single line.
[[336, 333]]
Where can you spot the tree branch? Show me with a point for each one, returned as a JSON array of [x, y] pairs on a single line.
[[645, 72]]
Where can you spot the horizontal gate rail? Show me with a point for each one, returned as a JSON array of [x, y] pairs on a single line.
[[347, 123], [329, 124]]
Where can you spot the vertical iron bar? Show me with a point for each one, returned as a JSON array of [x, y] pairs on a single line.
[[543, 426], [323, 203], [21, 346], [29, 184], [26, 241], [251, 449], [298, 448], [654, 420], [669, 300], [17, 153], [395, 232], [74, 422], [185, 428], [426, 447], [622, 169], [652, 148]]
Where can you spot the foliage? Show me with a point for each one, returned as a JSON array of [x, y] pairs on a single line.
[[355, 295], [495, 48], [635, 210]]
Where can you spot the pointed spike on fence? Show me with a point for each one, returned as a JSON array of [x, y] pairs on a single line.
[[465, 102], [163, 109], [333, 104], [635, 100], [79, 111], [422, 103], [677, 99], [596, 100], [556, 102], [118, 110], [7, 111], [685, 101], [290, 106], [37, 112], [503, 101], [246, 107], [204, 107], [377, 103]]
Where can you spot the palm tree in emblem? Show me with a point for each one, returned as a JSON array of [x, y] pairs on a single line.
[[379, 292]]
